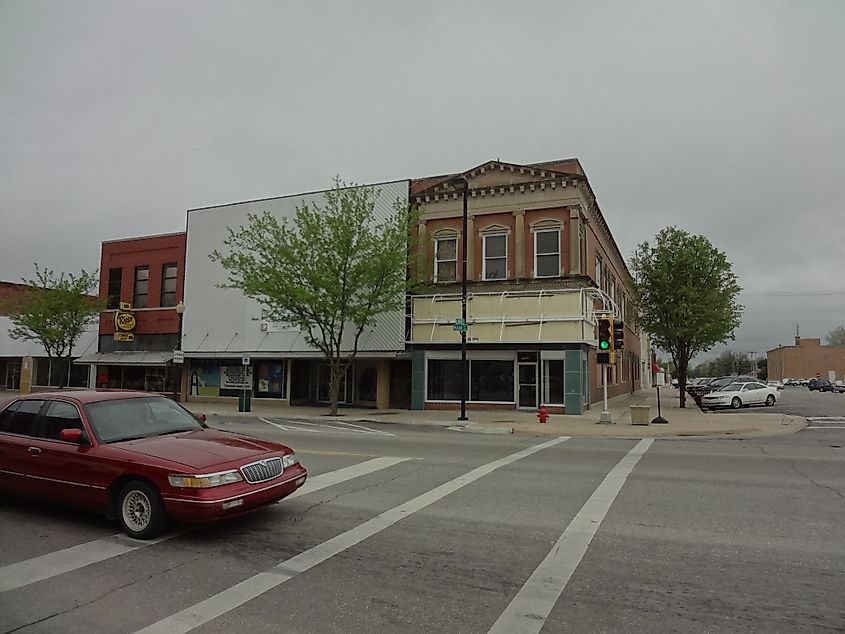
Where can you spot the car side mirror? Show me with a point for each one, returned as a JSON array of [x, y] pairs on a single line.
[[76, 436], [201, 417]]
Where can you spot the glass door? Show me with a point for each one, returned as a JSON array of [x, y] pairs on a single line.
[[13, 375], [528, 385]]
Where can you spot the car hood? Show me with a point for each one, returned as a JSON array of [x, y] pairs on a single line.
[[202, 449]]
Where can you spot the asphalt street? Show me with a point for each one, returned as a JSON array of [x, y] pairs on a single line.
[[412, 528]]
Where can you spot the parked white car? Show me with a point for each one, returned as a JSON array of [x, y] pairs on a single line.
[[775, 384], [736, 395]]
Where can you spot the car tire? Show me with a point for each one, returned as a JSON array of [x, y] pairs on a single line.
[[140, 511], [736, 403], [770, 400]]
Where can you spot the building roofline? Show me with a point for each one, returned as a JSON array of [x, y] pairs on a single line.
[[308, 193], [149, 237]]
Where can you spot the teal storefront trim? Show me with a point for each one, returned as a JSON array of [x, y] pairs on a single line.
[[573, 392]]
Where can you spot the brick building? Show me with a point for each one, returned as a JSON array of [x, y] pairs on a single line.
[[142, 280], [541, 262], [807, 359]]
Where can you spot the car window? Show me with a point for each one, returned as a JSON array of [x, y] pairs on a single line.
[[6, 416], [60, 415], [732, 387], [125, 419], [760, 386], [23, 420]]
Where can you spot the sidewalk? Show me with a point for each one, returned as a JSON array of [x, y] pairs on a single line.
[[682, 422]]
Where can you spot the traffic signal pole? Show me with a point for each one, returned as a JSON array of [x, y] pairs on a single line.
[[605, 413]]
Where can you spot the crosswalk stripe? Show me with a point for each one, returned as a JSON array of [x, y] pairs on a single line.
[[235, 596], [59, 562], [529, 609], [24, 573]]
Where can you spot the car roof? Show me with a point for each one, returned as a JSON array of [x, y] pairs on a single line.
[[88, 396]]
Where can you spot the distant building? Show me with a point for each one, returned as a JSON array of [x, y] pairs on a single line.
[[26, 364], [807, 359]]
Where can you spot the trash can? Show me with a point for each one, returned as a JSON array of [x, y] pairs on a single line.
[[244, 401], [640, 414]]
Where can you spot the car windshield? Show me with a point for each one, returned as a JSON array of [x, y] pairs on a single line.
[[132, 418]]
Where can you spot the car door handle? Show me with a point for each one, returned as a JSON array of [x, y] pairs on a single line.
[[33, 450]]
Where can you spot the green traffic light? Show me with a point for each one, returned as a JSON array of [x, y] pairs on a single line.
[[604, 345]]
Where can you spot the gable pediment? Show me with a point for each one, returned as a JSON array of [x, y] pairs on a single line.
[[496, 177]]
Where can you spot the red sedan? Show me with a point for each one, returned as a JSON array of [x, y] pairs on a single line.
[[138, 457]]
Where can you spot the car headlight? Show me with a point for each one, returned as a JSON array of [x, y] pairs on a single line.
[[204, 481], [289, 460]]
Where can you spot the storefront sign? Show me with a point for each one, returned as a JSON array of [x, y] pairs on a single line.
[[178, 356], [235, 377], [124, 336], [124, 320]]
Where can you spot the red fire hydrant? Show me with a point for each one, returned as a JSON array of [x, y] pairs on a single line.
[[542, 414]]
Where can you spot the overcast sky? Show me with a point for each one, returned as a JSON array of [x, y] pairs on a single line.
[[725, 118]]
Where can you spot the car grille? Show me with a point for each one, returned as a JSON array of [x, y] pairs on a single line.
[[262, 470]]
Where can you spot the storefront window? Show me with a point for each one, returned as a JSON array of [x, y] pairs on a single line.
[[366, 379], [154, 379], [553, 382], [270, 379], [42, 371], [491, 381], [445, 380]]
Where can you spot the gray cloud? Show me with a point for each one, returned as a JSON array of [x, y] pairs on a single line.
[[725, 118]]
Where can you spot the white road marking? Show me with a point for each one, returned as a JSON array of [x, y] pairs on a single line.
[[284, 428], [342, 475], [235, 596], [59, 562], [531, 606], [825, 427], [301, 425]]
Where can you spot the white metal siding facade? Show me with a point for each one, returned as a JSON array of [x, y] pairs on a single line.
[[222, 322]]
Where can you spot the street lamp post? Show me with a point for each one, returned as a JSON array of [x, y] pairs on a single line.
[[462, 186], [180, 312]]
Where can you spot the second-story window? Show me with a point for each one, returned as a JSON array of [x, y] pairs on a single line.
[[598, 271], [115, 276], [495, 257], [547, 253], [142, 282], [446, 258], [168, 285]]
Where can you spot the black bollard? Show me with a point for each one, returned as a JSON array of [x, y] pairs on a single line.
[[659, 420]]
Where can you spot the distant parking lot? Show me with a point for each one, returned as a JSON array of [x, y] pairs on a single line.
[[799, 401]]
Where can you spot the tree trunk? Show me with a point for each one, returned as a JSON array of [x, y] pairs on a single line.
[[334, 386], [682, 381]]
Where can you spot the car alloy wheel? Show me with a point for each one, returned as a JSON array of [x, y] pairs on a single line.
[[140, 511], [736, 403], [770, 400]]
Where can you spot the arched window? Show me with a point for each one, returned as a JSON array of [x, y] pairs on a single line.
[[546, 248], [495, 256], [445, 255]]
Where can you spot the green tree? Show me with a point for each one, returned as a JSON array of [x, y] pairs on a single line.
[[763, 369], [836, 337], [686, 296], [54, 310], [330, 272]]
